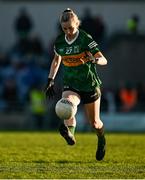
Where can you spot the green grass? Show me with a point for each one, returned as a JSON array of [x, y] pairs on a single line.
[[46, 156]]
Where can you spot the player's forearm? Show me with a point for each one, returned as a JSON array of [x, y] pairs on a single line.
[[54, 67], [100, 59]]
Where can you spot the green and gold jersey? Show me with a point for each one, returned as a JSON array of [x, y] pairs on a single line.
[[79, 72]]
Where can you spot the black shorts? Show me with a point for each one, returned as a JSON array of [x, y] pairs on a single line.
[[86, 97]]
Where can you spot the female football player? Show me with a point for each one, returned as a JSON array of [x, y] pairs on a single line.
[[79, 54]]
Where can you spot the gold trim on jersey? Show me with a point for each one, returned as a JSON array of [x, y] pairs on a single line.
[[75, 60], [78, 59]]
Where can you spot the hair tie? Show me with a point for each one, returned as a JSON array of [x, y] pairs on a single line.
[[67, 10]]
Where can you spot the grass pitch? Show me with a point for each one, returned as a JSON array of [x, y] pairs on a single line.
[[45, 155]]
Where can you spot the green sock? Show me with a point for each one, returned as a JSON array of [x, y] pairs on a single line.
[[72, 129]]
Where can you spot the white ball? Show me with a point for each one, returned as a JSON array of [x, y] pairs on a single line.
[[65, 109]]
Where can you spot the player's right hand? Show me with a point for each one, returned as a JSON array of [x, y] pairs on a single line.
[[49, 89]]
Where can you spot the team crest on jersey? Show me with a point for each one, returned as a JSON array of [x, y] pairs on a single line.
[[76, 49]]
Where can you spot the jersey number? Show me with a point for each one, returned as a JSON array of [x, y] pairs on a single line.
[[68, 50], [74, 49]]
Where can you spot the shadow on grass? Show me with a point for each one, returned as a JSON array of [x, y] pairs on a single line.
[[71, 161], [62, 161]]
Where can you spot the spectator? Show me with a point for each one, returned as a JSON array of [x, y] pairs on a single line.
[[22, 47], [100, 30], [132, 24], [23, 24], [110, 100], [118, 102], [36, 46], [38, 108], [141, 97], [10, 94], [88, 22], [128, 97]]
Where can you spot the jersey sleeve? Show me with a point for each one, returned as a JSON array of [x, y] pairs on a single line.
[[57, 46], [91, 45], [55, 50]]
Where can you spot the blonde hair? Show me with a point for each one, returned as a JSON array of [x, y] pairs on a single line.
[[68, 15]]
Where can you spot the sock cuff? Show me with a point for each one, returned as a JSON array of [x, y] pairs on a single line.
[[100, 132], [72, 129]]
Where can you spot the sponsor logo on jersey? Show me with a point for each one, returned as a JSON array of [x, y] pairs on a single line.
[[75, 60]]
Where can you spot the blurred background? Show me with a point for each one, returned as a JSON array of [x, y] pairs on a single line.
[[27, 32]]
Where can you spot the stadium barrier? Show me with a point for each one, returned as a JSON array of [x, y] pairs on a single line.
[[114, 122]]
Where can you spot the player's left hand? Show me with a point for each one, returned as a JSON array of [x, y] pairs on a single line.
[[95, 60], [92, 58], [49, 89]]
